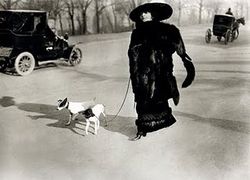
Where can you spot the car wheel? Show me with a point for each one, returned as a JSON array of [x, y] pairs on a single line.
[[24, 63], [75, 57], [227, 36], [2, 65], [208, 36]]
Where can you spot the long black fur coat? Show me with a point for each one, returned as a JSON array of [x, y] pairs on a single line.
[[151, 72], [150, 61]]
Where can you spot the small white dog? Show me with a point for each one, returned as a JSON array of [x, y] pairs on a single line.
[[74, 107], [93, 115]]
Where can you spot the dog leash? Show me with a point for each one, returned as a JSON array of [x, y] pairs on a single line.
[[123, 102]]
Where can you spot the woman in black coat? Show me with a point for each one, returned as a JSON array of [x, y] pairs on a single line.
[[151, 66]]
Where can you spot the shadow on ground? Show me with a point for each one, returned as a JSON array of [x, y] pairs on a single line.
[[12, 72], [7, 101], [217, 85], [200, 41], [122, 125], [49, 112], [232, 125]]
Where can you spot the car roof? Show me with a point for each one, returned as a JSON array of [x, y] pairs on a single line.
[[23, 11], [224, 15]]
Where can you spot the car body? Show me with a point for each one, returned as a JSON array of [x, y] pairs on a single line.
[[222, 23], [26, 39], [222, 27]]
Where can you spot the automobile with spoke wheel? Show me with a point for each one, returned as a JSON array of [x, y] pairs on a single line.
[[26, 40]]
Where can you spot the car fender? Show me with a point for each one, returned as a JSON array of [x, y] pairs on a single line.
[[67, 52]]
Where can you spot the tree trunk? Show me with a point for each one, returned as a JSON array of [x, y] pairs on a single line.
[[79, 20], [242, 10], [84, 21], [200, 11], [61, 24], [247, 11], [179, 14], [109, 20], [72, 25], [115, 19], [97, 17], [8, 4]]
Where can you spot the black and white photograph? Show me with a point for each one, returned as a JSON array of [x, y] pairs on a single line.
[[124, 90]]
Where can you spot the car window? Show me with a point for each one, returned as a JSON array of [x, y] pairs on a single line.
[[16, 21], [28, 24]]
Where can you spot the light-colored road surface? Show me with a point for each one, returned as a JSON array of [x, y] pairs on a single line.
[[209, 141]]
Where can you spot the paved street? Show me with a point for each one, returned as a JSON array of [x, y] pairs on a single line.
[[211, 139]]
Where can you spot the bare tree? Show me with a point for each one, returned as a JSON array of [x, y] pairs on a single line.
[[61, 23], [213, 7], [56, 10], [180, 10], [241, 7], [247, 9], [128, 5], [79, 20], [99, 7], [116, 15], [9, 4], [200, 11], [70, 7], [180, 6], [29, 4], [114, 11], [199, 4], [83, 7], [108, 25]]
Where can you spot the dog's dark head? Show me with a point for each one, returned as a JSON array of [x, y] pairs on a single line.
[[62, 104]]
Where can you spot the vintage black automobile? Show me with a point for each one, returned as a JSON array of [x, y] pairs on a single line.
[[26, 40], [222, 27]]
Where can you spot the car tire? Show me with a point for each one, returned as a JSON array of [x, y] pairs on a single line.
[[75, 57], [227, 37], [24, 63], [2, 65], [208, 35]]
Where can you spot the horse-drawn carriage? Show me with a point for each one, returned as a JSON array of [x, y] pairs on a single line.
[[26, 39], [225, 26]]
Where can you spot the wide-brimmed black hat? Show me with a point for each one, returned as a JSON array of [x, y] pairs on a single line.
[[159, 11]]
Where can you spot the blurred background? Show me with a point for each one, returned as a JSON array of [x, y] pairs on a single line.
[[79, 17]]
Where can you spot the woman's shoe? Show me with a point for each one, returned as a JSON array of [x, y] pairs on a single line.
[[138, 136]]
